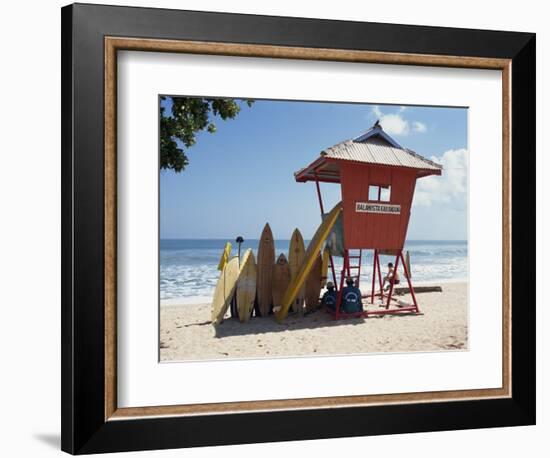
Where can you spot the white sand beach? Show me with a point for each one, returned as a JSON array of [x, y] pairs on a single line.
[[186, 332]]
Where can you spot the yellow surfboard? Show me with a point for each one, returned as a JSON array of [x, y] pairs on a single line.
[[226, 253], [296, 256], [246, 286], [224, 290], [281, 279], [312, 253], [324, 267]]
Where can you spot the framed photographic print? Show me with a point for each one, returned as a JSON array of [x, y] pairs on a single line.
[[281, 228]]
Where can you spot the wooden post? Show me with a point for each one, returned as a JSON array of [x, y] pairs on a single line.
[[395, 266], [373, 275], [379, 274], [408, 276], [341, 291]]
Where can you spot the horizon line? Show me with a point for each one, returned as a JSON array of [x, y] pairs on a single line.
[[232, 238]]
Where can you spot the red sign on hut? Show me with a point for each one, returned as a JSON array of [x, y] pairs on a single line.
[[377, 178]]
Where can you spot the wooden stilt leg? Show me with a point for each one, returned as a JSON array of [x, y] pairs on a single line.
[[379, 275], [359, 268], [341, 290], [373, 275], [395, 266], [408, 276]]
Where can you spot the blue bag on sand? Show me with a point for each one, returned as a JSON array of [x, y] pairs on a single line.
[[329, 299], [351, 300]]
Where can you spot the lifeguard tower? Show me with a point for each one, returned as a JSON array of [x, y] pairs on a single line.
[[377, 178]]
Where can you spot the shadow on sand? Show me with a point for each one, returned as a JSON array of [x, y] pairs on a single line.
[[315, 320]]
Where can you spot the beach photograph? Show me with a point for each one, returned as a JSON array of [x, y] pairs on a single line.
[[306, 228]]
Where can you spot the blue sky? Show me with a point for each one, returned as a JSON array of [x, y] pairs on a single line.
[[241, 177]]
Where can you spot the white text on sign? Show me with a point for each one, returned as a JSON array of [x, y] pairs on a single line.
[[365, 207]]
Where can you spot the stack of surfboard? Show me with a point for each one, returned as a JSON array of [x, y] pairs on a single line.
[[246, 281], [274, 279], [294, 283], [238, 279], [310, 268]]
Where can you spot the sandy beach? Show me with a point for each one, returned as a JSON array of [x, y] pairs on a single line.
[[186, 332]]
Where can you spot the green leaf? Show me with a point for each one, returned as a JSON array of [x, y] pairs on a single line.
[[188, 116]]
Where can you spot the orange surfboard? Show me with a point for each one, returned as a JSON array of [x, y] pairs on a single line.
[[296, 255], [264, 271], [281, 279]]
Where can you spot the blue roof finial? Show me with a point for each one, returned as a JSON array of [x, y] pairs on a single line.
[[376, 131]]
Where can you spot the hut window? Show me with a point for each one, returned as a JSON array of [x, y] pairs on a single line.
[[379, 193]]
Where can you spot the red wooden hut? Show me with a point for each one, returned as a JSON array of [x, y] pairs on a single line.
[[377, 178]]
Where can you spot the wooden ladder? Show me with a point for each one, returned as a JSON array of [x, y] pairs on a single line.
[[354, 270]]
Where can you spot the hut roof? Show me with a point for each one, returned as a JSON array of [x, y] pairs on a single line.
[[373, 147]]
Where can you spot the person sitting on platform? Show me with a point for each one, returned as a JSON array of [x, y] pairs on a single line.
[[391, 277], [330, 297], [351, 298]]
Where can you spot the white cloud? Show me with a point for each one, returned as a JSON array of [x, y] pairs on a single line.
[[395, 123], [376, 111], [450, 187], [419, 127]]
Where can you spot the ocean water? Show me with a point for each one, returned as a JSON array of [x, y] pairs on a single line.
[[188, 267]]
